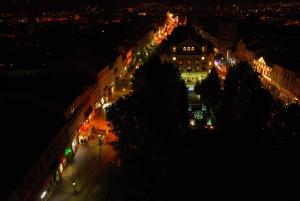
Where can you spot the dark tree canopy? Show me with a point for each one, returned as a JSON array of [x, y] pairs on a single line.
[[155, 111], [247, 105], [209, 89], [163, 160], [147, 123]]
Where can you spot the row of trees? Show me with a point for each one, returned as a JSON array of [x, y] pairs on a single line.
[[255, 132], [250, 156]]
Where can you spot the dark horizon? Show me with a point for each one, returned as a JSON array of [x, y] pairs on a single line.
[[113, 4]]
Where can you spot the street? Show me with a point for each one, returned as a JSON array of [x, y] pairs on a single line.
[[86, 178], [89, 172]]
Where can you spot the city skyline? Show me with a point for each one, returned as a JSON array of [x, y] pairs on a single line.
[[122, 101]]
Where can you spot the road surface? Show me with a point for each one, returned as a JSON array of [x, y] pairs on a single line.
[[89, 171]]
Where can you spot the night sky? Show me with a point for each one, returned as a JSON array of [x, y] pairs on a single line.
[[119, 3]]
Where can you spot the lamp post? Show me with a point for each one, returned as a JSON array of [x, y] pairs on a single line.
[[74, 187], [43, 195]]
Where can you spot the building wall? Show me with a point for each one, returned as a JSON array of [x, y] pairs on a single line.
[[31, 186], [74, 106], [206, 35], [287, 83], [282, 83], [242, 53], [192, 59], [37, 179], [227, 32]]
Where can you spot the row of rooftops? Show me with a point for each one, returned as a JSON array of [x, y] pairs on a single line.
[[64, 56], [276, 43], [28, 95], [278, 50]]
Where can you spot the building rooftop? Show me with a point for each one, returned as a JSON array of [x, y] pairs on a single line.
[[283, 54], [28, 124], [44, 72]]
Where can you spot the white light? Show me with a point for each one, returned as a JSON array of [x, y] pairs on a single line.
[[74, 183], [43, 194], [202, 58], [106, 105], [174, 58]]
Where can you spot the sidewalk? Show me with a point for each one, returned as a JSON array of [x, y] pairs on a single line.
[[88, 171]]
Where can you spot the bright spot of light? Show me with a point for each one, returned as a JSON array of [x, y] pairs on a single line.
[[106, 105], [43, 194]]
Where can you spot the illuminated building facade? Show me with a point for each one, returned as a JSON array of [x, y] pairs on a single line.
[[193, 60], [283, 81]]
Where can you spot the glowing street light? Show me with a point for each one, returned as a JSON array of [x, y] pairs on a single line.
[[43, 194]]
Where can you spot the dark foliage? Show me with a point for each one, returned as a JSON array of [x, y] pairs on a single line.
[[149, 123], [253, 156], [210, 89]]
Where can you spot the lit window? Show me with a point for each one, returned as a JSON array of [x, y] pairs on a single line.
[[174, 58], [184, 48], [188, 49], [209, 63], [180, 61], [197, 61], [189, 61], [193, 48], [203, 49], [174, 49], [202, 58]]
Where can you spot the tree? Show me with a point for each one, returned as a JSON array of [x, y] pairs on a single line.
[[147, 122], [156, 108], [210, 92], [286, 129], [246, 105], [209, 89]]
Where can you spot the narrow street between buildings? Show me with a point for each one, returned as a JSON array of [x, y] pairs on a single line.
[[85, 178]]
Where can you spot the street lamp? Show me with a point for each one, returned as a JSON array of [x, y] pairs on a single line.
[[74, 187], [43, 195]]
